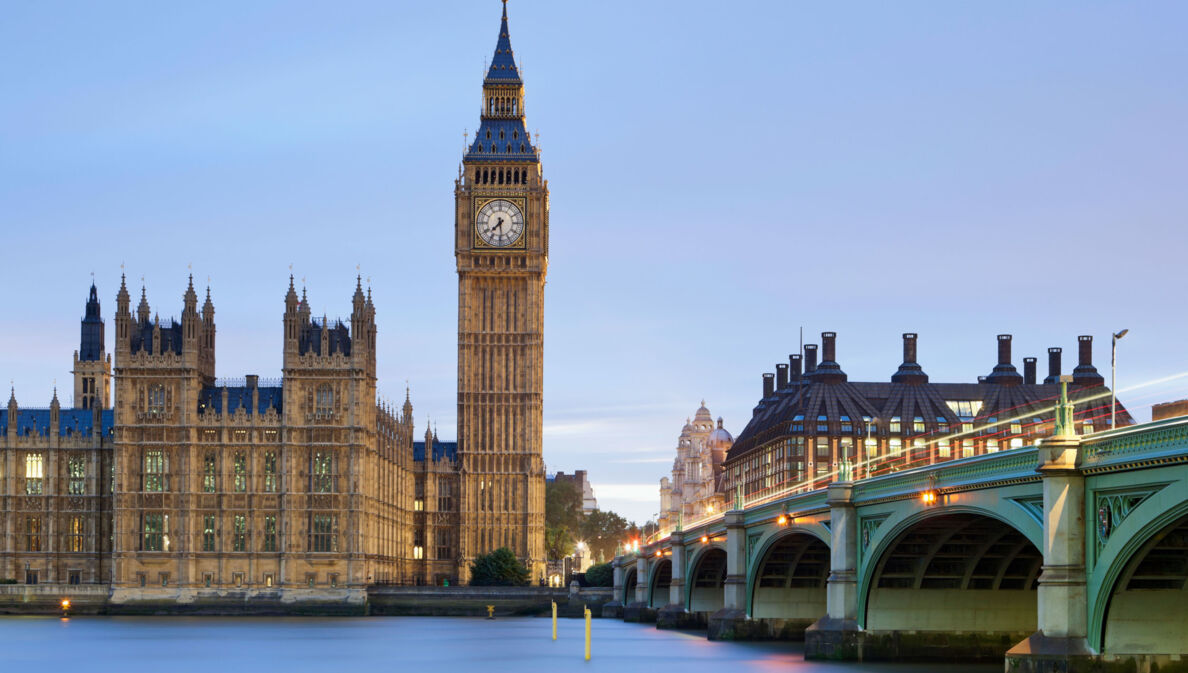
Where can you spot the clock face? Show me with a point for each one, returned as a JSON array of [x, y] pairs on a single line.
[[500, 223]]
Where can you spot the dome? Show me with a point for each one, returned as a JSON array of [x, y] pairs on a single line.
[[719, 436], [687, 429], [703, 414]]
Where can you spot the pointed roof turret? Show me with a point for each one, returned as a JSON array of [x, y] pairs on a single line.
[[122, 299], [503, 65], [208, 306], [191, 297], [91, 341], [407, 404], [143, 311]]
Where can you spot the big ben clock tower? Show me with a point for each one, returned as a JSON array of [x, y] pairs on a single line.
[[501, 243]]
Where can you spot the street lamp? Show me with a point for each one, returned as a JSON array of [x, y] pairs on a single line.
[[1113, 377]]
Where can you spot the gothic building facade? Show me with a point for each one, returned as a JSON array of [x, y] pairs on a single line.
[[172, 485]]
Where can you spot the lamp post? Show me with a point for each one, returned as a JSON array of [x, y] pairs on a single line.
[[1113, 377]]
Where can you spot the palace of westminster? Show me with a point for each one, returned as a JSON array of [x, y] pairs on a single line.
[[169, 484]]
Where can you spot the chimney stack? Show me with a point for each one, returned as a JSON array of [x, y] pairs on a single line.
[[810, 358], [910, 371], [828, 346], [781, 376], [1053, 365], [1029, 371], [794, 362], [1086, 374], [768, 385], [1004, 349], [1004, 372]]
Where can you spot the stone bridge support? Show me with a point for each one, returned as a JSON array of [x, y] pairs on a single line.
[[1061, 643], [731, 623], [837, 635], [676, 615], [637, 610], [615, 607]]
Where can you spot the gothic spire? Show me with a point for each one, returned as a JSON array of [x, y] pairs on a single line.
[[503, 65], [143, 311]]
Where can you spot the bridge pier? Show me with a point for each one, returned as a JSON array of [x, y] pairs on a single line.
[[1060, 644], [615, 607], [837, 634], [731, 622], [638, 610], [675, 615]]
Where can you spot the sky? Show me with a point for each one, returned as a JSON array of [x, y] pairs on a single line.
[[722, 176]]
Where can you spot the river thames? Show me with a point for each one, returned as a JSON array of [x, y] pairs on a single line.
[[231, 644]]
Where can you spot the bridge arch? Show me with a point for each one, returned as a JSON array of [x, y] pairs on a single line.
[[630, 581], [955, 568], [659, 582], [786, 578], [705, 584], [1139, 586]]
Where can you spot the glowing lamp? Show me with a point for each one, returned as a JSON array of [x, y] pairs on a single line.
[[659, 553], [928, 497], [65, 604], [782, 520], [704, 539]]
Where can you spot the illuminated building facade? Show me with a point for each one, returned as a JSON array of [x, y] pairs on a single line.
[[814, 426], [692, 491]]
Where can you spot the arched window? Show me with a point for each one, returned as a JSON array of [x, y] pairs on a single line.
[[501, 135], [321, 471], [509, 148], [325, 400]]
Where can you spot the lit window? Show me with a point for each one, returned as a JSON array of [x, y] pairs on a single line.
[[918, 424], [209, 472], [74, 534], [418, 552], [991, 445], [896, 447], [322, 472], [239, 533], [270, 472], [240, 472], [1016, 442], [871, 446], [418, 505], [156, 400], [33, 534], [208, 534], [967, 448], [270, 534], [77, 468], [156, 532], [34, 473], [894, 426], [155, 467], [822, 424], [943, 449]]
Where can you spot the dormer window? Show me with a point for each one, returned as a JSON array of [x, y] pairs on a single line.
[[515, 135], [488, 134], [501, 135]]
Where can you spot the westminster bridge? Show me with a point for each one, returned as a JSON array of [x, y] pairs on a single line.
[[1068, 555]]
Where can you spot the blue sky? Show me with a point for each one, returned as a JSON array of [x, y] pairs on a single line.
[[722, 175]]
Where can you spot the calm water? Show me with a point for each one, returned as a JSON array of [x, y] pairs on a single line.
[[385, 644]]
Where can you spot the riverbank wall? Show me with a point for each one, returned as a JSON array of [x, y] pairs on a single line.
[[100, 599]]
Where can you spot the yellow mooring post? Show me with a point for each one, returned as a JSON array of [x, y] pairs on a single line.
[[554, 620], [587, 634], [490, 612]]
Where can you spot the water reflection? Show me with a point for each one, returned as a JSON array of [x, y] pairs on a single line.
[[231, 645]]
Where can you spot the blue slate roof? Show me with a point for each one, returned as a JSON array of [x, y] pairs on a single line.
[[70, 422], [503, 66], [90, 346], [171, 336], [210, 400], [513, 145], [447, 449], [339, 338]]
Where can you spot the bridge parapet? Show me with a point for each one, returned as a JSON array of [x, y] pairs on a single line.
[[1152, 443]]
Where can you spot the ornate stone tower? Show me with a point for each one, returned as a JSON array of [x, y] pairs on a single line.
[[92, 366], [501, 246]]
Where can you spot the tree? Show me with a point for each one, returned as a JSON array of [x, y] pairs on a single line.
[[601, 575], [500, 568], [603, 532], [558, 542], [563, 506]]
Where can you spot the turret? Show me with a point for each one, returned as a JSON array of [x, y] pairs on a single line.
[[92, 366], [12, 415], [406, 411]]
